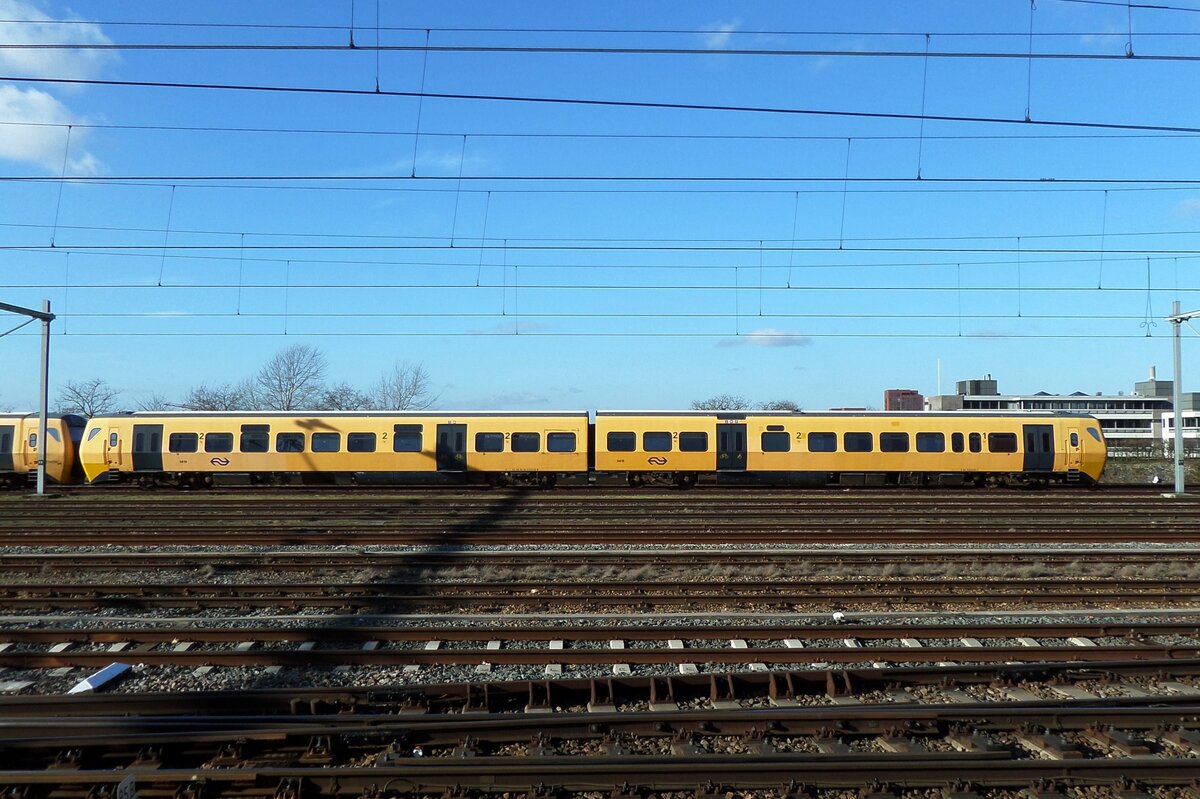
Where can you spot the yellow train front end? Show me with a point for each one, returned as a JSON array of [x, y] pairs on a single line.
[[20, 447]]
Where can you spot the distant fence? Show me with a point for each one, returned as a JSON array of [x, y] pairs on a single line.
[[1190, 450]]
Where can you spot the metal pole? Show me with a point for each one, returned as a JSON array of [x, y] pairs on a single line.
[[1177, 399], [45, 387]]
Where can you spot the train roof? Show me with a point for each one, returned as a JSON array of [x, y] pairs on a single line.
[[733, 415], [358, 414]]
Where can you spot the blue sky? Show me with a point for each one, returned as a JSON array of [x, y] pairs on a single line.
[[723, 253]]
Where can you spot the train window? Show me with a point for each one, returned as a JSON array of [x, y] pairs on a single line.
[[489, 442], [857, 442], [183, 442], [33, 440], [406, 438], [6, 442], [656, 442], [956, 442], [360, 442], [776, 442], [560, 442], [1002, 442], [775, 428], [1094, 433], [526, 442], [622, 442], [112, 440], [933, 442], [92, 433], [255, 438], [326, 442], [693, 442], [1074, 439], [893, 442], [822, 442], [218, 442], [289, 442], [976, 442]]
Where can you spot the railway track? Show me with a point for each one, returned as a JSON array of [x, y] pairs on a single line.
[[595, 516]]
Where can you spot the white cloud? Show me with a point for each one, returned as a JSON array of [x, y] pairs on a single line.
[[767, 337], [719, 34], [43, 141], [1189, 209], [42, 144], [38, 28]]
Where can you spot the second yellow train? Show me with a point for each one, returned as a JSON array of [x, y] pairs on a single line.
[[827, 448]]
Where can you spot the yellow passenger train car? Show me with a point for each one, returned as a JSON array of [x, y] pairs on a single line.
[[194, 448], [851, 448], [19, 447]]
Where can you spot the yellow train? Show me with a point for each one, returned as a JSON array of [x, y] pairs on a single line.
[[638, 446], [19, 447], [193, 448]]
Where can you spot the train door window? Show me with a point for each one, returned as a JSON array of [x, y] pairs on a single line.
[[560, 442], [112, 440], [857, 442], [776, 442], [289, 442], [218, 442], [693, 442], [656, 442], [526, 442], [1046, 445], [33, 440], [1074, 439], [957, 442], [931, 442], [255, 438], [326, 442], [822, 442], [183, 442], [360, 442], [976, 442], [1002, 442], [6, 441], [406, 438], [622, 442], [489, 442], [893, 442]]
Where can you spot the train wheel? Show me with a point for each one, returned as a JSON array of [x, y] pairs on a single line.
[[636, 480], [547, 480], [686, 480]]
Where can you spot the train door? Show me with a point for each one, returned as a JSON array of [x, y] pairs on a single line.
[[1039, 448], [112, 448], [1074, 455], [6, 447], [147, 447], [30, 453], [731, 447], [452, 447]]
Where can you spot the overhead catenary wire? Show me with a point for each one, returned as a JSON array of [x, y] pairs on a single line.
[[601, 103]]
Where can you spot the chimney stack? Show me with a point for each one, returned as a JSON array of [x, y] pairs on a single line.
[[1152, 377]]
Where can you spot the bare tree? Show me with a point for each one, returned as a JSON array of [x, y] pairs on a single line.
[[87, 397], [722, 402], [224, 397], [404, 387], [345, 397], [781, 405], [292, 379], [153, 402]]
